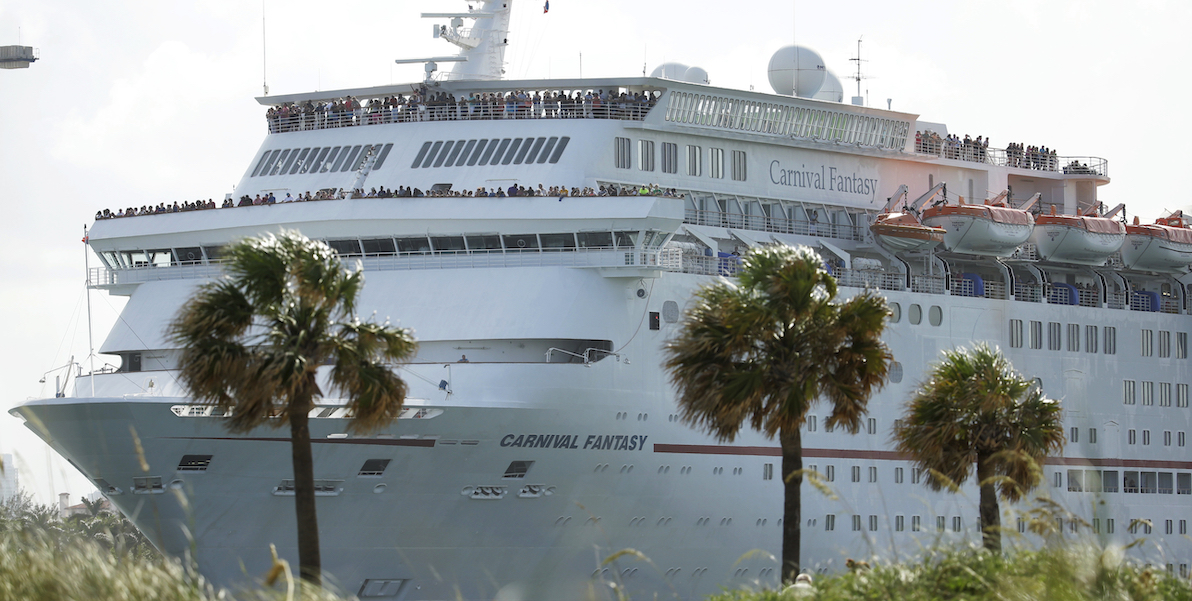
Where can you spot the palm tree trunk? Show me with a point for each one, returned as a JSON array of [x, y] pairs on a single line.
[[991, 522], [309, 562], [792, 506]]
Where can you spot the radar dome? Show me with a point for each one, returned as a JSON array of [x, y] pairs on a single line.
[[674, 71], [796, 71], [831, 91], [696, 75]]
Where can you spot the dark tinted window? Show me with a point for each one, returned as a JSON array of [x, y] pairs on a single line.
[[534, 150], [545, 154], [189, 255], [381, 158], [448, 243], [379, 246], [341, 159], [476, 153], [522, 242], [351, 158], [447, 146], [264, 159], [413, 245], [512, 150], [300, 162], [430, 156], [463, 156], [317, 162], [499, 152], [521, 155], [280, 160], [554, 158], [557, 241], [421, 155], [345, 247], [492, 242], [454, 153], [595, 239], [330, 159]]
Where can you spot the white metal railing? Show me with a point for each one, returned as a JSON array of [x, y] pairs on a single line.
[[302, 119], [1017, 158], [1116, 300], [870, 278], [1169, 305], [774, 224], [1089, 297], [927, 284], [786, 119], [1030, 293]]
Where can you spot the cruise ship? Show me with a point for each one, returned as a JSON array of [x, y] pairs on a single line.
[[541, 436]]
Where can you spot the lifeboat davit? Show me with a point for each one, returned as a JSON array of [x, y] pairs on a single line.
[[1165, 245], [981, 229], [902, 232], [1083, 240]]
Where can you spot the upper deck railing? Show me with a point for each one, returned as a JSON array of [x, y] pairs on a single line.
[[1016, 158], [310, 116]]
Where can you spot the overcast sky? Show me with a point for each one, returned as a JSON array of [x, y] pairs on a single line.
[[137, 101]]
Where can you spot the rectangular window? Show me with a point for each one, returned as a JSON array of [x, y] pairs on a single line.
[[1181, 345], [1054, 343], [1183, 526], [1183, 484], [1036, 334], [940, 523], [811, 422], [1130, 481], [955, 523], [916, 473], [830, 473], [716, 163], [1166, 486], [1092, 481], [1073, 338], [1090, 339], [1131, 437], [1109, 526], [1148, 343], [622, 154], [1057, 480], [873, 523], [670, 157], [1074, 434], [1164, 394], [1015, 333], [768, 471], [830, 522], [898, 475], [1146, 437], [645, 155], [1092, 436], [898, 523], [871, 425], [1110, 340], [872, 473], [1148, 393], [1075, 480], [695, 161], [1096, 525], [738, 166], [856, 473], [1128, 396], [1179, 437], [1164, 343], [1181, 395], [856, 523], [916, 523], [1110, 482]]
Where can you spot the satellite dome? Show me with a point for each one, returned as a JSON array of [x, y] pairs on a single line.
[[674, 71], [796, 71], [696, 75], [831, 91]]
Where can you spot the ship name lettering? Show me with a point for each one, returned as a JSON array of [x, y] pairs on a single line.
[[597, 442], [825, 178]]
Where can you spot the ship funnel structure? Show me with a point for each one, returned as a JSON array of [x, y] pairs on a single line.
[[482, 44], [798, 71]]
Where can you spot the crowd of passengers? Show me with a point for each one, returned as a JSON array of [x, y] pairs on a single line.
[[401, 192], [967, 149], [425, 105]]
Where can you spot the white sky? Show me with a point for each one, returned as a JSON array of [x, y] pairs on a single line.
[[138, 101]]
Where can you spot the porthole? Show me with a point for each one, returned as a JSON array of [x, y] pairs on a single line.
[[895, 373], [935, 315], [895, 312], [915, 315]]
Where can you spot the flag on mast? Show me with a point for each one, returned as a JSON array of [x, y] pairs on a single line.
[[546, 7]]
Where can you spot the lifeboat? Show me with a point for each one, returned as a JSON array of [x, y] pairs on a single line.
[[903, 232], [981, 229], [1083, 240], [1165, 245]]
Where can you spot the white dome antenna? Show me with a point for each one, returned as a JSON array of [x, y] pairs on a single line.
[[796, 71]]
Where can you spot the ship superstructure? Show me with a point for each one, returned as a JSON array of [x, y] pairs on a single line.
[[541, 434]]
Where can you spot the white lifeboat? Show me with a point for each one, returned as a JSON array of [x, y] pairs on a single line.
[[1083, 240], [1165, 245], [981, 229], [903, 232]]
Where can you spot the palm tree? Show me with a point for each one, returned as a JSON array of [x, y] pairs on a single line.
[[253, 341], [974, 409], [764, 348]]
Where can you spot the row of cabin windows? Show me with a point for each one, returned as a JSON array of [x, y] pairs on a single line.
[[1138, 482], [166, 257], [1164, 344], [941, 523], [331, 159], [736, 166], [1132, 438], [1058, 336], [503, 151], [1130, 396]]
